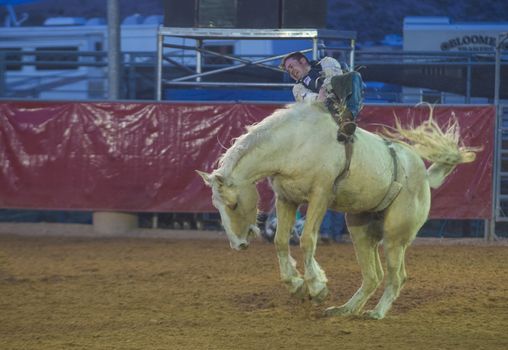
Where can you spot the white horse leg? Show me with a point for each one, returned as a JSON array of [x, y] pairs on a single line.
[[315, 277], [394, 253], [401, 224], [366, 233], [402, 271], [286, 213]]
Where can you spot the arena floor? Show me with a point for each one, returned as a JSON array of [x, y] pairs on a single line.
[[189, 290]]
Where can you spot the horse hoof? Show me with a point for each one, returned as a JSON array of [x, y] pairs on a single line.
[[375, 315], [301, 291], [334, 311], [321, 296], [337, 311]]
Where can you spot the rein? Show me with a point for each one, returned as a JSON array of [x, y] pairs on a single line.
[[348, 146]]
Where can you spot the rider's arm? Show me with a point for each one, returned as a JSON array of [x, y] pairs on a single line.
[[301, 93], [331, 67]]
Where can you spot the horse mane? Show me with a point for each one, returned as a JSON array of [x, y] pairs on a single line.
[[260, 132]]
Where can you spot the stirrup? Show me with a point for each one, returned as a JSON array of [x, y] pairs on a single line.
[[344, 138], [349, 128]]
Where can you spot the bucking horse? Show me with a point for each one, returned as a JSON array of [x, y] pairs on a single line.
[[384, 189]]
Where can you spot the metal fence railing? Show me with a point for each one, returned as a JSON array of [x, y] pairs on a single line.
[[73, 74]]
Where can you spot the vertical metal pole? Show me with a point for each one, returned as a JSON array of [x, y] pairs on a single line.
[[468, 80], [497, 70], [491, 234], [158, 67], [315, 48], [3, 70], [491, 224], [352, 55], [114, 222], [132, 77], [113, 50], [199, 58]]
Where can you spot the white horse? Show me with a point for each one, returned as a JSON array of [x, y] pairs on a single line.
[[385, 193]]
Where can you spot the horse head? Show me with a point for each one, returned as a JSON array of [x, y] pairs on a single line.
[[237, 205]]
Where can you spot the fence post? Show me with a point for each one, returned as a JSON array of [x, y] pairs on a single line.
[[112, 223]]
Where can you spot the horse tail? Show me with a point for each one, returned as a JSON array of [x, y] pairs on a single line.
[[442, 148]]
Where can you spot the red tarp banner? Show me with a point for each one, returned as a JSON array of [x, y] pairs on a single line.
[[141, 157]]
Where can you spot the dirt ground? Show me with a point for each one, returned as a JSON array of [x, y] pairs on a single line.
[[169, 292]]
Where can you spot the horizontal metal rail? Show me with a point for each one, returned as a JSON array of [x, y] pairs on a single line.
[[19, 67], [233, 58], [221, 84], [257, 34], [235, 67]]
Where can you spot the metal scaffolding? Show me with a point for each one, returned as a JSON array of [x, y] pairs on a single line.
[[200, 35], [500, 175]]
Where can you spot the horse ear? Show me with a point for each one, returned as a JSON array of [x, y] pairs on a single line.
[[207, 178]]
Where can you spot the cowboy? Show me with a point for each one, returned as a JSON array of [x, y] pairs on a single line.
[[324, 81]]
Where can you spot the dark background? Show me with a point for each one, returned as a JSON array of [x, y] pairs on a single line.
[[372, 20]]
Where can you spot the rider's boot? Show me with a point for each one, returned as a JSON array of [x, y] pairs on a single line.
[[347, 127]]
